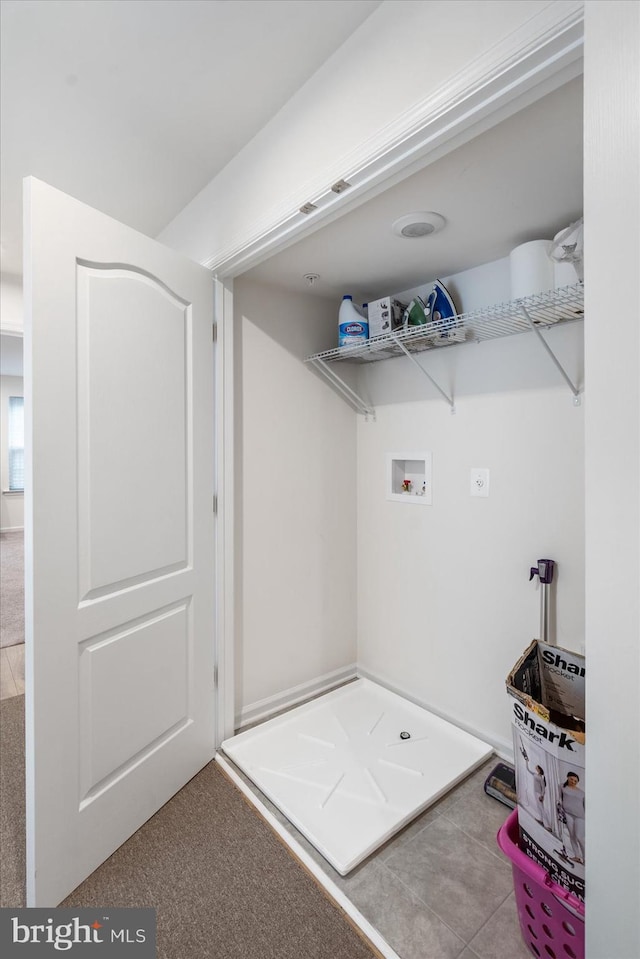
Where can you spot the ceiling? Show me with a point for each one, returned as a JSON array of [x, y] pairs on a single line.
[[134, 106], [519, 181]]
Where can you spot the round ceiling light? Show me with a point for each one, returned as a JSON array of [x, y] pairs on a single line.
[[418, 224]]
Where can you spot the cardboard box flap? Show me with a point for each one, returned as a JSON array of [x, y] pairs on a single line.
[[550, 681], [563, 680], [525, 682]]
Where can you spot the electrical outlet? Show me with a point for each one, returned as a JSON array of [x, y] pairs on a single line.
[[479, 482]]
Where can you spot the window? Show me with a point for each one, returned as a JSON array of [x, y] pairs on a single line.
[[15, 442]]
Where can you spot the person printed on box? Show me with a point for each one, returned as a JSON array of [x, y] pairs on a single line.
[[540, 789], [573, 806]]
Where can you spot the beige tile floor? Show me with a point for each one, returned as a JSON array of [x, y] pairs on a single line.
[[11, 671], [441, 888]]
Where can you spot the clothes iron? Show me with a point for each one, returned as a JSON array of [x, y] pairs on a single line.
[[440, 306]]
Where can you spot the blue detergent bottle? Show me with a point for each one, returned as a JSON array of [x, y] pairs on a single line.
[[352, 326]]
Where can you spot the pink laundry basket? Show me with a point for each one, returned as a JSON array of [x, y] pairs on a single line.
[[551, 919]]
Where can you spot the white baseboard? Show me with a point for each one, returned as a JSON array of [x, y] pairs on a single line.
[[264, 708], [12, 529], [339, 897], [503, 747]]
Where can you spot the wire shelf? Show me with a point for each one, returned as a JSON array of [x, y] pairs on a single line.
[[543, 310]]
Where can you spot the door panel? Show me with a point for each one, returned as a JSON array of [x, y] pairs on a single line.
[[119, 534], [134, 383], [144, 668]]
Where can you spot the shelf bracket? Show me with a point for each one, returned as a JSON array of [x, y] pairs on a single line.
[[425, 373], [536, 329], [350, 395]]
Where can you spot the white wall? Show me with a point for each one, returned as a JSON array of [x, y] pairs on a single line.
[[445, 603], [612, 255], [11, 305], [296, 490], [445, 606], [435, 585], [11, 504], [11, 354], [11, 384]]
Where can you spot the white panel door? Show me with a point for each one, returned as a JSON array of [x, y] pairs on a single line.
[[119, 533]]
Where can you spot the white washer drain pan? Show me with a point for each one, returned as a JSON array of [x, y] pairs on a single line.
[[341, 770]]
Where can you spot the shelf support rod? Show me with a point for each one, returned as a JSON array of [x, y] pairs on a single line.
[[350, 395], [425, 373], [554, 358]]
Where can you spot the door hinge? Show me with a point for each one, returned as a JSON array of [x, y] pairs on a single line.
[[215, 677], [214, 334], [215, 505]]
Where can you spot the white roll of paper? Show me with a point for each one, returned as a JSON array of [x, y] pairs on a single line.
[[531, 269]]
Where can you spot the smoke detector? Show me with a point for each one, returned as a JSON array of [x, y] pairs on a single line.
[[418, 224]]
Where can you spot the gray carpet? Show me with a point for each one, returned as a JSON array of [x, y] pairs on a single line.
[[222, 882], [12, 588], [12, 822]]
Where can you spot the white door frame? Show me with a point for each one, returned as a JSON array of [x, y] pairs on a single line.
[[541, 56], [225, 510]]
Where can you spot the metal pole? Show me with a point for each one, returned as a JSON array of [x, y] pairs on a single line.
[[544, 612], [425, 373], [544, 571], [556, 361], [350, 395]]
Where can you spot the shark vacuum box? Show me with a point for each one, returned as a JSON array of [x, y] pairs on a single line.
[[546, 690]]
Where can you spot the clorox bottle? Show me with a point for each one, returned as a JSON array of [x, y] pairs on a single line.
[[352, 326]]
